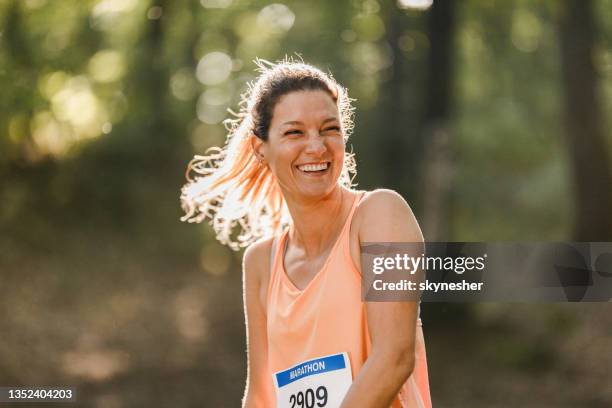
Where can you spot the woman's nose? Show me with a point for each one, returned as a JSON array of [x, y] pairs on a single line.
[[315, 144]]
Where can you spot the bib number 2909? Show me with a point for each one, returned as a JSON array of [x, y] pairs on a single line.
[[314, 383], [309, 398]]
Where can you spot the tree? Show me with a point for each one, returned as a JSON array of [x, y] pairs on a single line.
[[588, 152], [434, 138]]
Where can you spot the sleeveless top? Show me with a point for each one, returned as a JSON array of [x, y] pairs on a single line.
[[327, 317]]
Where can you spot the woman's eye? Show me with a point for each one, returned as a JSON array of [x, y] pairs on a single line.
[[333, 128], [293, 132]]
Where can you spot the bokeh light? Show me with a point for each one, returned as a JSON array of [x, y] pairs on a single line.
[[107, 66], [214, 68], [213, 4], [415, 4], [277, 18], [526, 31]]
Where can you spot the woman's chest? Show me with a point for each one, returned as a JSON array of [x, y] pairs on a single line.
[[329, 302], [302, 270]]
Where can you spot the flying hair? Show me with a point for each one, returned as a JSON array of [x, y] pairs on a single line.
[[231, 188]]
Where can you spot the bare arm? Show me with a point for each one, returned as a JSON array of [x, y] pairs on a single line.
[[255, 265], [392, 325]]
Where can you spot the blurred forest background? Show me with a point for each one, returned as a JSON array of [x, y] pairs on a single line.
[[488, 116]]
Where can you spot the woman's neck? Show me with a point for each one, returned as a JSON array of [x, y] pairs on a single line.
[[316, 223]]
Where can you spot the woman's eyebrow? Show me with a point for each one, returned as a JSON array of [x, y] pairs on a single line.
[[292, 122], [330, 119], [297, 122]]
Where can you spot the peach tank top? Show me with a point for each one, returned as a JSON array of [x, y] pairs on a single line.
[[329, 317]]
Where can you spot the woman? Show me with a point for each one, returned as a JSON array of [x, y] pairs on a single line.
[[284, 179]]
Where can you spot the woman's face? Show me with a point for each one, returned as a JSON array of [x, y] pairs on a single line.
[[305, 147]]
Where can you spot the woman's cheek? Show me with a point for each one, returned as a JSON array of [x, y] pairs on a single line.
[[339, 147]]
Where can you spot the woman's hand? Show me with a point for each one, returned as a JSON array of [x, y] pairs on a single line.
[[386, 217]]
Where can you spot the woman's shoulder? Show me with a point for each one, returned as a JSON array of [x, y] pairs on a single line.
[[384, 215], [256, 270], [377, 203], [382, 195], [257, 255]]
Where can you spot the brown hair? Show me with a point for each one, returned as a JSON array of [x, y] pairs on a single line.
[[231, 187]]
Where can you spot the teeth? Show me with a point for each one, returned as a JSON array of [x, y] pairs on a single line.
[[313, 167]]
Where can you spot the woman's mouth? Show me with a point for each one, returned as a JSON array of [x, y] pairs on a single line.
[[314, 168]]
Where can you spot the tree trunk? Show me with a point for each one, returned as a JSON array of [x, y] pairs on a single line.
[[397, 156], [588, 150], [434, 141]]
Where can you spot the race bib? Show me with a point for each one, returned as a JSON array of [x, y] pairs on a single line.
[[320, 382]]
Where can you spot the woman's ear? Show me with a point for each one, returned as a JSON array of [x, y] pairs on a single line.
[[258, 148]]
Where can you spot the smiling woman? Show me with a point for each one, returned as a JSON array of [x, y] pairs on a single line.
[[305, 153], [284, 179], [231, 186]]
